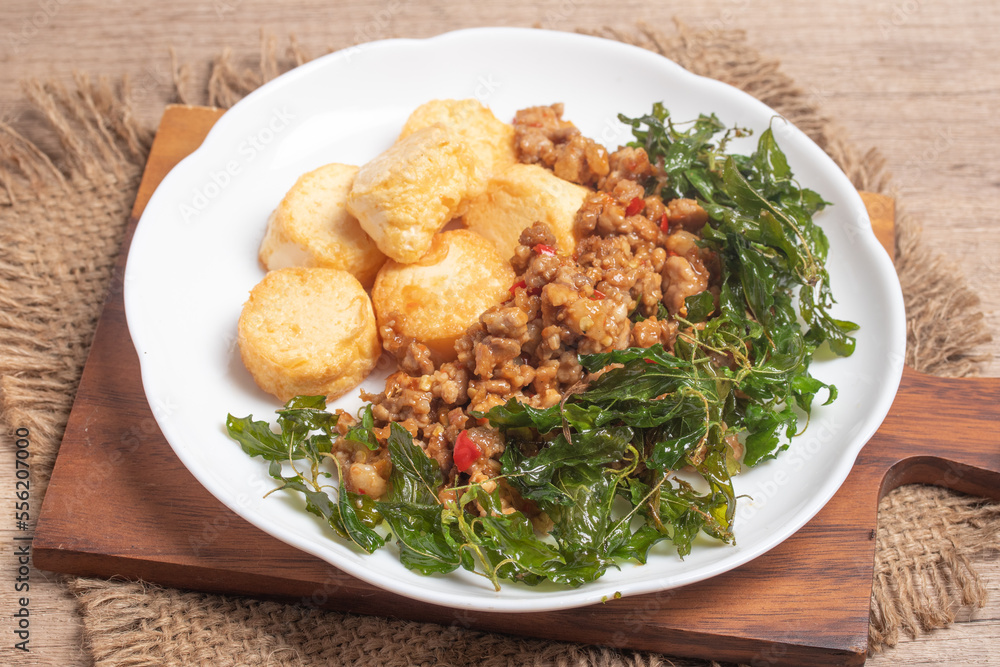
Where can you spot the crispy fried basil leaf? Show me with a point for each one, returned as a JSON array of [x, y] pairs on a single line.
[[318, 502], [357, 516], [516, 414], [699, 307], [415, 478], [536, 477], [509, 543], [297, 421], [256, 438], [426, 544], [364, 431]]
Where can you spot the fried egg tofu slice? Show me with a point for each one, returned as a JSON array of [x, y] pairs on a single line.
[[312, 227], [488, 137], [308, 331], [444, 293], [403, 197], [520, 196]]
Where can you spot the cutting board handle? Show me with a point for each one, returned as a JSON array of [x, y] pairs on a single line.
[[945, 432]]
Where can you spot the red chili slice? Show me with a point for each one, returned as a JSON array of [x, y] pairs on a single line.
[[598, 294], [665, 223], [543, 249], [634, 206], [519, 283], [466, 451]]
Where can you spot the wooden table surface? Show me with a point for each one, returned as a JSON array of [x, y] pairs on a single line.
[[917, 78]]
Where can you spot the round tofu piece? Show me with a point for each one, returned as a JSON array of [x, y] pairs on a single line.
[[520, 196], [312, 227], [406, 195], [489, 137], [308, 331], [444, 293]]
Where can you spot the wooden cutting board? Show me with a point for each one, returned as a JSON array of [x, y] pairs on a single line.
[[120, 503]]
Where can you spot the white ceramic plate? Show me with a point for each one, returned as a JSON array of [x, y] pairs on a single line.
[[194, 259]]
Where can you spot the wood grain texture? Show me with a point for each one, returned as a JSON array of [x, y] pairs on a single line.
[[917, 78], [804, 602]]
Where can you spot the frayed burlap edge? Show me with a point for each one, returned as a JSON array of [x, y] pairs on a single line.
[[103, 146], [920, 588], [45, 326]]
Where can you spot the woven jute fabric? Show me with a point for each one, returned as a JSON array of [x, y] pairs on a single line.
[[62, 217]]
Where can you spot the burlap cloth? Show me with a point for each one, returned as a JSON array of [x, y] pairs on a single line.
[[62, 216]]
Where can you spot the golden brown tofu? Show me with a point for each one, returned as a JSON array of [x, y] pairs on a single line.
[[520, 196], [308, 331], [488, 137], [312, 227], [406, 195], [444, 293]]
